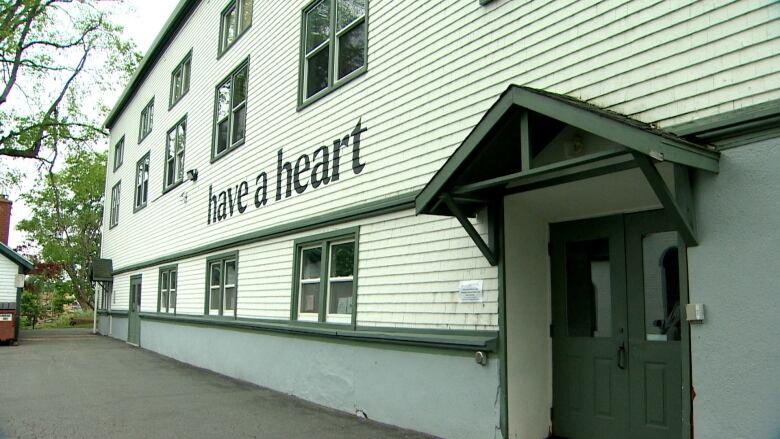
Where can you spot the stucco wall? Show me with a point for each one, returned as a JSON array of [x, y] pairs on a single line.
[[444, 393], [734, 273]]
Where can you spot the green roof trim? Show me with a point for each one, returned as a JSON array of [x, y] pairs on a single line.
[[632, 134], [16, 258], [169, 31]]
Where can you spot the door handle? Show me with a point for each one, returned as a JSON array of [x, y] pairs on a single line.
[[621, 357]]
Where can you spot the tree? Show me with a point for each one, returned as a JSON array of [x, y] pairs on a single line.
[[67, 215], [57, 59], [32, 307]]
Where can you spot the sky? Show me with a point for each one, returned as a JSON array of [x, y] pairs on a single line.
[[142, 20]]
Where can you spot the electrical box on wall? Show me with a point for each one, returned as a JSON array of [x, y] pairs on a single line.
[[694, 312]]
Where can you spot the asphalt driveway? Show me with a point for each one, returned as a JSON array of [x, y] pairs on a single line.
[[72, 384]]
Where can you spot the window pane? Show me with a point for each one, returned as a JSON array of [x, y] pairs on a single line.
[[164, 300], [215, 277], [239, 124], [230, 297], [342, 259], [317, 25], [239, 87], [173, 280], [164, 281], [246, 14], [170, 172], [311, 263], [223, 101], [310, 298], [186, 76], [222, 135], [214, 298], [352, 50], [348, 11], [230, 273], [340, 300], [172, 300], [317, 72], [177, 84], [229, 27], [588, 289], [660, 261]]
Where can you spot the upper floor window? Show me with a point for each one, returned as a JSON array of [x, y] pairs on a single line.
[[325, 288], [167, 297], [114, 214], [180, 80], [141, 182], [230, 111], [334, 45], [147, 117], [222, 283], [174, 154], [119, 152], [236, 18]]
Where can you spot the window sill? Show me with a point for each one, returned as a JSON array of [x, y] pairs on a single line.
[[228, 151], [233, 43], [444, 339], [172, 187], [303, 103], [141, 207], [173, 104]]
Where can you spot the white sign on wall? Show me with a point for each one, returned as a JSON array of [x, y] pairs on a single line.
[[470, 291]]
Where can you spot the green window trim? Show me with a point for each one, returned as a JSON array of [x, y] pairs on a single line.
[[217, 290], [167, 288], [235, 17], [231, 124], [116, 196], [141, 193], [324, 244], [173, 166], [146, 123], [331, 45], [119, 153], [182, 73]]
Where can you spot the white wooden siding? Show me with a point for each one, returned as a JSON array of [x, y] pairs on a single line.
[[409, 270], [8, 272], [434, 68]]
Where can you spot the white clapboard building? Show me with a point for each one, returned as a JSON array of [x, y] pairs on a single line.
[[474, 219]]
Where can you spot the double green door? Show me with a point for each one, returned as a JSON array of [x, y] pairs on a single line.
[[616, 328], [134, 308]]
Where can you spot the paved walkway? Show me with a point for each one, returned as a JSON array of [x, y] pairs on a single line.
[[72, 384]]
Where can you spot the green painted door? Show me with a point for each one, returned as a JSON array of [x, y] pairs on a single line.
[[133, 318], [616, 347]]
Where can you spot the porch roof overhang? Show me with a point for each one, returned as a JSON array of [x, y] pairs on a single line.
[[495, 159], [101, 271]]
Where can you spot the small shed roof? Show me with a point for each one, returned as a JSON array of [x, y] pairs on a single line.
[[16, 258]]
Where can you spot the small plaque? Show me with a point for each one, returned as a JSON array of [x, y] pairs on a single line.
[[6, 317], [470, 291]]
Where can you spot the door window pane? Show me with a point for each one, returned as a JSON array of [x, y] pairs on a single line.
[[661, 286], [588, 289]]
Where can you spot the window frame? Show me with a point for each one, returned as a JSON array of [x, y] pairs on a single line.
[[230, 117], [333, 82], [179, 156], [219, 312], [149, 107], [325, 241], [119, 146], [113, 214], [172, 101], [167, 270], [223, 47], [136, 185]]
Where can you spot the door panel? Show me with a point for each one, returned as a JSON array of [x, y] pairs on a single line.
[[590, 390]]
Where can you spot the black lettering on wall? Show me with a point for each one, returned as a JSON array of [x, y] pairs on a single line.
[[212, 202], [316, 180], [337, 144], [286, 167], [222, 208], [357, 167], [243, 190], [300, 188], [261, 193]]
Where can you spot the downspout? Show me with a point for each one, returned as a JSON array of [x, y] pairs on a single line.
[[94, 314]]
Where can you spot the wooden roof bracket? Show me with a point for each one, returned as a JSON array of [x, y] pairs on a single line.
[[679, 207], [491, 250]]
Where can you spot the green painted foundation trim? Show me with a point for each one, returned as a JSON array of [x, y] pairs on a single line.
[[457, 340], [373, 208]]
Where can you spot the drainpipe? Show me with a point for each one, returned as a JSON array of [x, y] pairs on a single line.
[[94, 314]]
